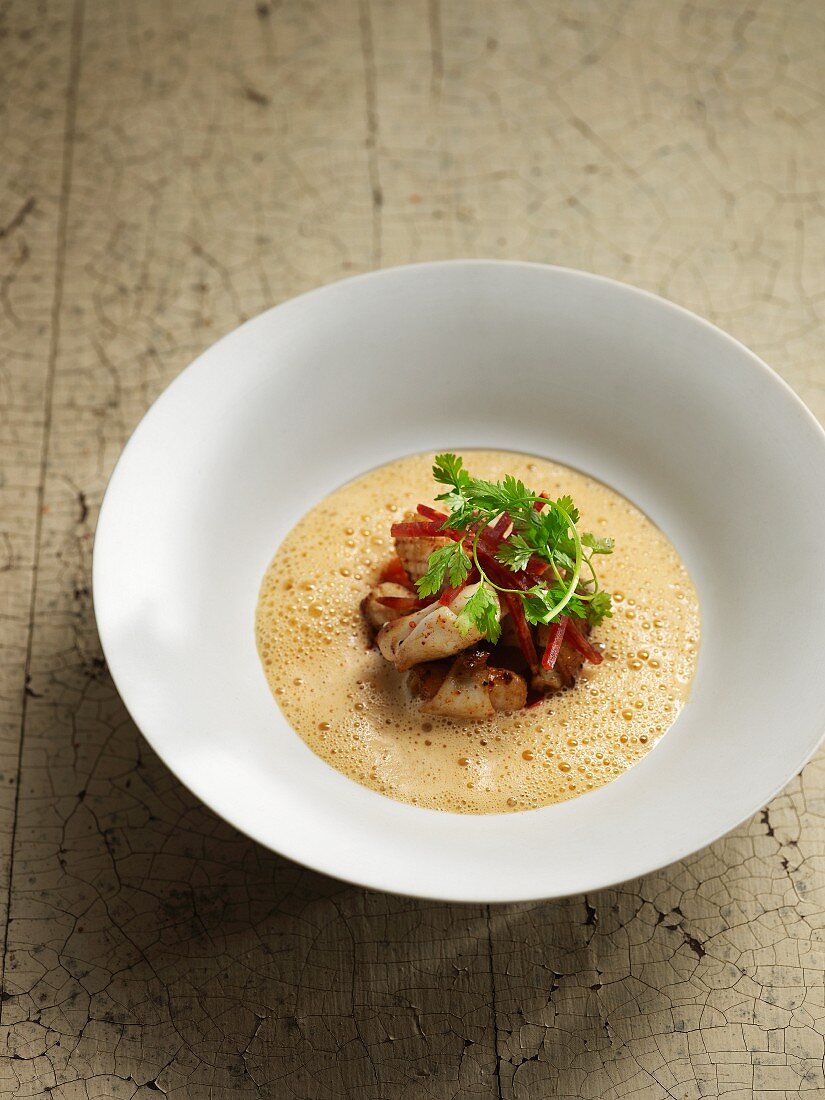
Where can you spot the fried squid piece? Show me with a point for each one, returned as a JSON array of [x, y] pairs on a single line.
[[468, 688], [428, 634], [377, 613], [425, 680], [415, 552]]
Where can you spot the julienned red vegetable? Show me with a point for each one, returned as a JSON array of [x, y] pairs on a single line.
[[536, 567], [411, 529], [494, 533], [500, 573], [525, 638], [430, 513], [499, 529], [551, 652], [580, 643]]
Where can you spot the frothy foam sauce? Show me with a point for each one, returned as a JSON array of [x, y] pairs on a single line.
[[353, 710]]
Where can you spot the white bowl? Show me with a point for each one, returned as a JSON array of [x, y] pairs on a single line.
[[658, 403]]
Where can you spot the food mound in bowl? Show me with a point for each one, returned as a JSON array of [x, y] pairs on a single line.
[[475, 594]]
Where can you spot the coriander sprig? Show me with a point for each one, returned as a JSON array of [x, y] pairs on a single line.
[[541, 549]]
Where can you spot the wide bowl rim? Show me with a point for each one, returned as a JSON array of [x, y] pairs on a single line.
[[201, 789]]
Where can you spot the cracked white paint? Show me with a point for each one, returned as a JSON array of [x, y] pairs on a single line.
[[170, 169]]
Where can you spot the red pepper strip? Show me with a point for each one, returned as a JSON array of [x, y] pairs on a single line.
[[525, 638], [580, 643], [539, 504], [413, 530], [395, 572], [551, 653], [430, 513], [449, 594]]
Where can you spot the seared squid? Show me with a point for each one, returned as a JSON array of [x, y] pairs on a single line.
[[415, 552], [377, 613], [428, 634], [467, 687]]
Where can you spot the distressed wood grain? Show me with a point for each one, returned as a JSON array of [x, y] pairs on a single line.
[[34, 86], [168, 171]]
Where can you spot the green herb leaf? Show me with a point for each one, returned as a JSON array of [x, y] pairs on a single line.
[[482, 612], [549, 533], [449, 470], [540, 605], [515, 552], [564, 561], [495, 497], [600, 607], [452, 561], [597, 545], [566, 503]]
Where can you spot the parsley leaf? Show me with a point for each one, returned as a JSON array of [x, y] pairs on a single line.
[[449, 470], [597, 545], [567, 504], [550, 534], [482, 612], [451, 561], [565, 561], [540, 604], [495, 497], [600, 607], [459, 565], [515, 552]]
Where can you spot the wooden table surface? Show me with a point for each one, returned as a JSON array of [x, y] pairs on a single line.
[[169, 169]]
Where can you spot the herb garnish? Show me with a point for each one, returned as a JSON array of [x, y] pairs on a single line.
[[521, 543]]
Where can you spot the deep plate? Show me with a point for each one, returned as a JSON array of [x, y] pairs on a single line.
[[656, 402]]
